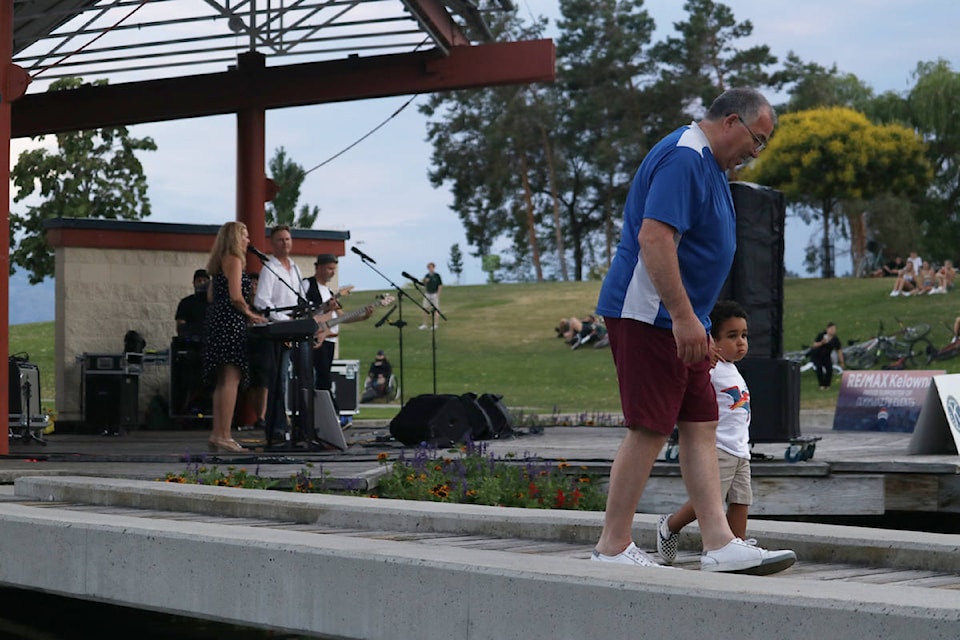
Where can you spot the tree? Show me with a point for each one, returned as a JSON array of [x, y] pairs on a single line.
[[824, 159], [602, 59], [289, 176], [932, 110], [703, 61], [455, 264], [91, 174], [491, 264], [815, 86], [484, 147]]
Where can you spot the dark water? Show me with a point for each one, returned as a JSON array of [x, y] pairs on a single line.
[[28, 615]]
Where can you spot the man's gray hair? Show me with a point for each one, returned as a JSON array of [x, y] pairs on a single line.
[[745, 102]]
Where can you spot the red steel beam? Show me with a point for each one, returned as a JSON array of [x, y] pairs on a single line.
[[6, 72], [435, 20], [237, 90]]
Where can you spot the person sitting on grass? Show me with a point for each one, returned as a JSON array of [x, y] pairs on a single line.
[[377, 384], [569, 329], [906, 282], [729, 333], [945, 277], [927, 279]]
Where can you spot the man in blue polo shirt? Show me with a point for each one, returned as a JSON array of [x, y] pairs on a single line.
[[679, 237]]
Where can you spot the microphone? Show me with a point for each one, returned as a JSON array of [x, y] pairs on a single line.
[[411, 278], [384, 318], [363, 255], [260, 254]]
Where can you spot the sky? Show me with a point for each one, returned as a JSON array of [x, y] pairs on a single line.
[[379, 190]]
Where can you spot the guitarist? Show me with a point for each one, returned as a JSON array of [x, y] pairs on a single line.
[[325, 268]]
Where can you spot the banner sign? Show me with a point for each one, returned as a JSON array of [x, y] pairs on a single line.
[[881, 400]]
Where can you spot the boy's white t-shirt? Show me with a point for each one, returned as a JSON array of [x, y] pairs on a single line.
[[733, 401]]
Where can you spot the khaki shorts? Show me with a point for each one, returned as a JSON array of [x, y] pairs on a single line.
[[734, 478]]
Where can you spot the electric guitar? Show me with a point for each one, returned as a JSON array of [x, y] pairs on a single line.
[[382, 300], [342, 291]]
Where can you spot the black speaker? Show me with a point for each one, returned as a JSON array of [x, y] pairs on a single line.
[[345, 381], [756, 278], [189, 398], [439, 420], [774, 398], [111, 401]]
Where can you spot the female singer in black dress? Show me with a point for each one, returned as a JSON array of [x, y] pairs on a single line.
[[225, 329]]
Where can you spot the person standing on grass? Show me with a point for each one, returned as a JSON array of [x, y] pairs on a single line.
[[431, 293], [679, 237], [821, 355], [729, 332]]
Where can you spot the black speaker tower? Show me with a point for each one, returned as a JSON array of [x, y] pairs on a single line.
[[756, 279]]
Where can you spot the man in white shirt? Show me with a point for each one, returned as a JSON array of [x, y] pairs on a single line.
[[280, 289], [319, 293]]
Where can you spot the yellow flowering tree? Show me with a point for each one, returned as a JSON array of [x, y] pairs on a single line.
[[825, 159]]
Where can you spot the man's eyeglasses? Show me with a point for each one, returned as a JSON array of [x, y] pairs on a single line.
[[760, 143]]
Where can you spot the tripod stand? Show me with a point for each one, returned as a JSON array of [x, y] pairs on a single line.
[[399, 323], [434, 312]]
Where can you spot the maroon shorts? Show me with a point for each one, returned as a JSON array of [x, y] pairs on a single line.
[[657, 389]]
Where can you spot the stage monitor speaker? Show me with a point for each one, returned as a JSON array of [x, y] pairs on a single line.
[[756, 278], [324, 418], [111, 401], [438, 420], [774, 398]]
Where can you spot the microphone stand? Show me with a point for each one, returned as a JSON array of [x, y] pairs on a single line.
[[399, 322], [434, 312]]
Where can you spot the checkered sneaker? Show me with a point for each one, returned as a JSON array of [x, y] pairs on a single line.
[[667, 541]]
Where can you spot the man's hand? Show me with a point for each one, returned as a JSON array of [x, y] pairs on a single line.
[[692, 340], [330, 305]]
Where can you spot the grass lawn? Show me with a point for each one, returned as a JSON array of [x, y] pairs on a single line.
[[500, 339]]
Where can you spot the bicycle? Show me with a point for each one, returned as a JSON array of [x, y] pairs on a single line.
[[903, 349], [947, 352]]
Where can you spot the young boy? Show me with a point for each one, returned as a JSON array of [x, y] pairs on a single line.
[[729, 332]]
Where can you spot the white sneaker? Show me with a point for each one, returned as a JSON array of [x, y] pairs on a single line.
[[667, 541], [422, 327], [742, 557], [630, 555], [894, 294]]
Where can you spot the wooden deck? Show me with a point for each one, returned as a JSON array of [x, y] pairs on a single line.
[[851, 473]]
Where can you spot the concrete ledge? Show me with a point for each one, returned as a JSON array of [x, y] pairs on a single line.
[[812, 542]]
